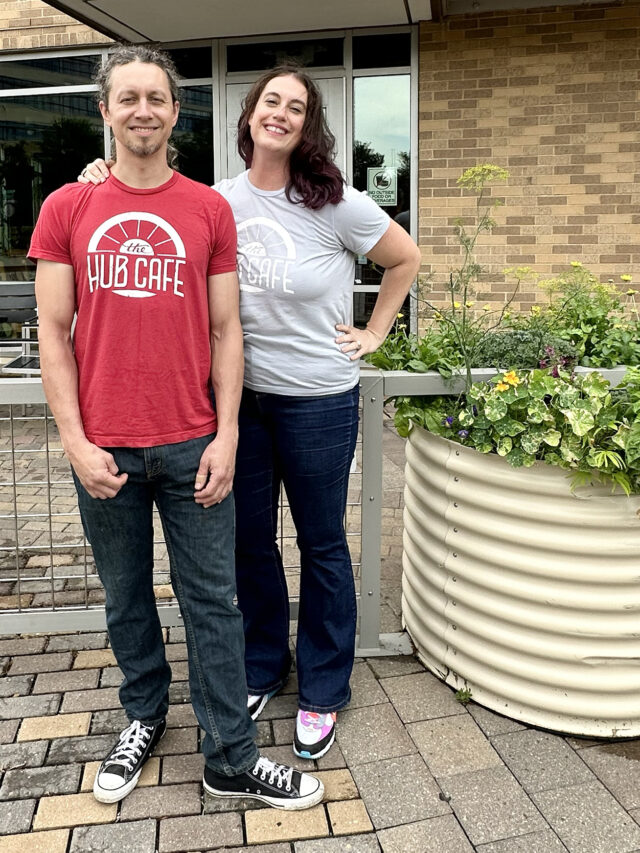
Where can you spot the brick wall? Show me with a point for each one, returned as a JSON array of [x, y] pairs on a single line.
[[553, 96], [30, 24]]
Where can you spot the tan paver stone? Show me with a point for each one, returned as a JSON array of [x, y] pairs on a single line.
[[61, 725], [54, 841], [453, 745], [72, 810], [349, 817], [94, 658], [267, 825], [43, 561], [338, 785], [15, 602], [149, 776], [163, 591]]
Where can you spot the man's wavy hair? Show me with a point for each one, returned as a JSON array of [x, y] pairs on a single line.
[[123, 55], [314, 179]]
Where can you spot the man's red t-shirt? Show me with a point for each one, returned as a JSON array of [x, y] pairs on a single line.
[[141, 258]]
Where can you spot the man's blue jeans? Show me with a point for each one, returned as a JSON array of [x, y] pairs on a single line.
[[200, 547], [307, 443]]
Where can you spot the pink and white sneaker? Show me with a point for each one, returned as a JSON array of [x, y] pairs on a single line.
[[314, 734]]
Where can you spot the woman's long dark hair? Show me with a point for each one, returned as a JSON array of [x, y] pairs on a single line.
[[314, 179]]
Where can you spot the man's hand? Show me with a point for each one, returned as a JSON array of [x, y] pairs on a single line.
[[214, 479], [97, 471]]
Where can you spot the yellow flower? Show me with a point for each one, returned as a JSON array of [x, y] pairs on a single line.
[[400, 316], [535, 309], [438, 315], [456, 304], [469, 304], [511, 378], [576, 264], [486, 307], [625, 277], [631, 291], [502, 386]]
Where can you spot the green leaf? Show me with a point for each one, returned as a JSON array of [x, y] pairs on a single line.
[[530, 443], [504, 445], [580, 420], [495, 408], [551, 437], [508, 426]]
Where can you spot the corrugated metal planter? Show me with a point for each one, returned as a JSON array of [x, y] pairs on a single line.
[[522, 591]]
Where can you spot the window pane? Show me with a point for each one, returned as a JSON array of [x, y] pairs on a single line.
[[193, 135], [60, 71], [381, 160], [44, 142], [260, 57], [384, 51], [192, 62]]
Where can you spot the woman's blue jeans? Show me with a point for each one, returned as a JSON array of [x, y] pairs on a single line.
[[307, 443], [200, 546]]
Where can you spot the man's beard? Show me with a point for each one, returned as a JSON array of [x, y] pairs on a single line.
[[143, 148]]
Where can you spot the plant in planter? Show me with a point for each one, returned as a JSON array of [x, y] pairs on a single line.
[[521, 584]]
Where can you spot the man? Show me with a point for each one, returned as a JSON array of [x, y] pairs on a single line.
[[147, 264]]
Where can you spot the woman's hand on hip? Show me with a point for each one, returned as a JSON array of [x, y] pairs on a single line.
[[357, 342]]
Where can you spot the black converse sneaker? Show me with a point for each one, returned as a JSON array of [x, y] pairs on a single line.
[[275, 784], [119, 772]]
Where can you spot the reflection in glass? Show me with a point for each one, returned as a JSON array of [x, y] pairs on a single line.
[[381, 161], [192, 62], [193, 134], [261, 56], [57, 71], [44, 142]]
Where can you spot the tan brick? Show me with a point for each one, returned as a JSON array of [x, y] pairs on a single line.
[[150, 775], [54, 841], [94, 658], [72, 810], [266, 825], [349, 817], [338, 785], [62, 725]]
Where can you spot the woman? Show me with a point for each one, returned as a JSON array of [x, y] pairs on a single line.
[[299, 229]]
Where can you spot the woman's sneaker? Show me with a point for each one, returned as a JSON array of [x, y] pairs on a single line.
[[275, 784], [314, 734], [255, 704], [119, 772]]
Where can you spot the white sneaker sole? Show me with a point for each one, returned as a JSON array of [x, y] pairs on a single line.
[[312, 756], [297, 804], [104, 795]]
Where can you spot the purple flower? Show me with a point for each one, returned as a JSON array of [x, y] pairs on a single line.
[[463, 433], [447, 421], [549, 350], [555, 373], [475, 411]]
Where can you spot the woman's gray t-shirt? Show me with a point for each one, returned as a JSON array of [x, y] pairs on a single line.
[[296, 268]]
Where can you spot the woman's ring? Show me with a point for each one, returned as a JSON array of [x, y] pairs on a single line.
[[358, 344]]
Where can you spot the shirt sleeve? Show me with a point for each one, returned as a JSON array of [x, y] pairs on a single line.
[[359, 222], [51, 236], [224, 254]]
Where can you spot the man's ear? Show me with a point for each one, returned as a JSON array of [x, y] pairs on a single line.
[[104, 111], [176, 112]]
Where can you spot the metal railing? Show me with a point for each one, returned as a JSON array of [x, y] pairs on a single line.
[[47, 578]]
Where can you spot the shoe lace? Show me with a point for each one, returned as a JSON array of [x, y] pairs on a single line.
[[130, 745], [279, 774]]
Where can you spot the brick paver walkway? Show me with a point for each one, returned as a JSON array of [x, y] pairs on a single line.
[[412, 771]]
